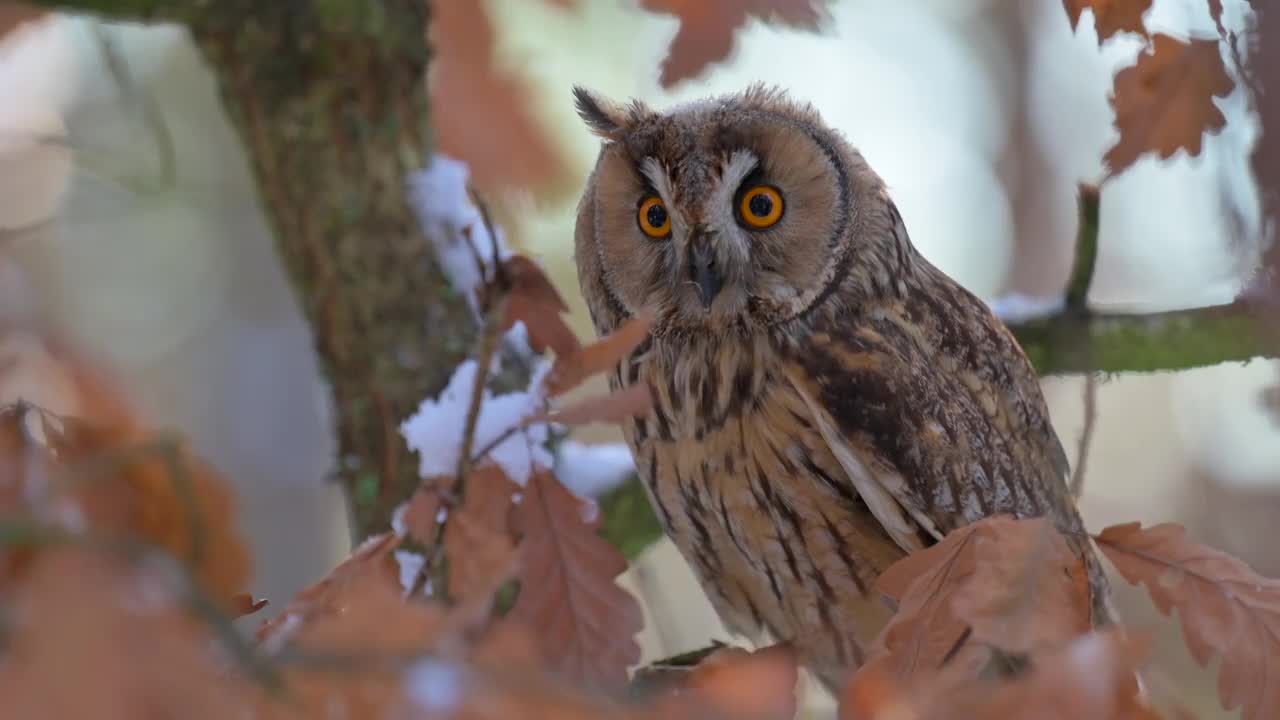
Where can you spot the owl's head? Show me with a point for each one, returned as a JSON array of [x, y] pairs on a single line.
[[732, 212]]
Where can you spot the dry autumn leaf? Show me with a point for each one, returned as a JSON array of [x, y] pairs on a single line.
[[707, 28], [1030, 592], [478, 538], [91, 635], [1225, 608], [1110, 16], [1164, 103], [535, 302], [419, 518], [96, 468], [586, 623], [739, 684], [571, 370], [634, 401], [480, 114], [1094, 676]]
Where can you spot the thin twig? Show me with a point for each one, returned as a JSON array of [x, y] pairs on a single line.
[[491, 335], [1086, 436]]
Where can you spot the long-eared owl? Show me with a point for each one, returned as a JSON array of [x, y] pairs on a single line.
[[825, 399]]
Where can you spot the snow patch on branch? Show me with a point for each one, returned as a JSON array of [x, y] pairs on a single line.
[[590, 471], [453, 224], [1016, 308], [436, 430]]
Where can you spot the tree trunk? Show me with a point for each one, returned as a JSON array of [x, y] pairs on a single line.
[[330, 99]]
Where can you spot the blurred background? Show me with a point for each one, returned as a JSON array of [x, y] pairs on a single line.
[[129, 221]]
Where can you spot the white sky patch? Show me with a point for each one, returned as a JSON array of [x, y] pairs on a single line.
[[435, 686], [447, 215], [435, 430], [592, 470], [1017, 308]]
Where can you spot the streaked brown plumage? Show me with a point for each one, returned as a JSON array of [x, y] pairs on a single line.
[[826, 400]]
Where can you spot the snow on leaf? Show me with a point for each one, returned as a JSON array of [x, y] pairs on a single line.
[[478, 539], [1164, 103], [634, 401], [1225, 608], [480, 113], [586, 623], [1029, 591], [707, 28], [571, 370], [435, 430], [535, 302], [593, 470], [1110, 16]]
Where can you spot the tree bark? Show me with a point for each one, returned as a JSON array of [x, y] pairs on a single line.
[[330, 99]]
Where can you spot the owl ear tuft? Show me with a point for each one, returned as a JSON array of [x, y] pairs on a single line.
[[603, 117]]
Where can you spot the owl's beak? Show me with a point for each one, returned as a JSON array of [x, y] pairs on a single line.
[[703, 270]]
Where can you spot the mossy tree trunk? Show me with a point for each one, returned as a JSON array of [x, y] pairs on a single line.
[[330, 100]]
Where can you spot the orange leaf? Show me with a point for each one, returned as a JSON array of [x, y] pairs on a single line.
[[243, 604], [101, 466], [707, 28], [1029, 592], [634, 401], [741, 684], [477, 540], [1164, 103], [480, 114], [420, 514], [571, 370], [535, 301], [88, 635], [586, 623], [925, 629], [1224, 606], [1093, 677], [1110, 16]]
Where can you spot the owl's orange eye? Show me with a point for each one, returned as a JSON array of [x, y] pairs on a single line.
[[761, 207], [653, 217]]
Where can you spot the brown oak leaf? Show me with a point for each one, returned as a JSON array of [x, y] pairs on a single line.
[[586, 623], [480, 114], [707, 28], [1093, 676], [1225, 608], [535, 302], [1110, 16], [478, 538], [1030, 592], [634, 401], [571, 370], [739, 684], [1002, 583], [1164, 103]]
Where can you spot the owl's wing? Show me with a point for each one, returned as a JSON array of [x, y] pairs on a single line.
[[934, 413]]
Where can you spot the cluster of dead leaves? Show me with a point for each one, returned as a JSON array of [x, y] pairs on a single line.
[[993, 622], [1165, 102]]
